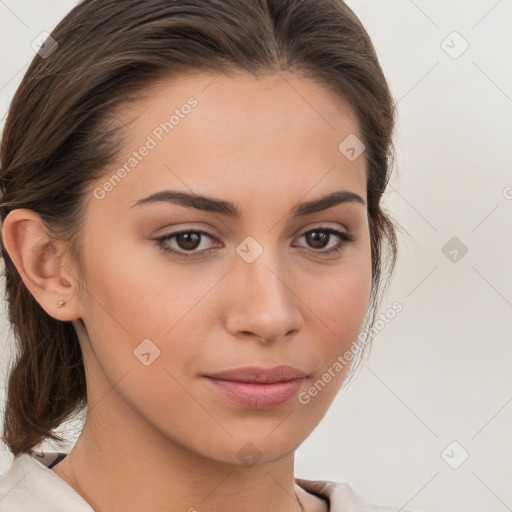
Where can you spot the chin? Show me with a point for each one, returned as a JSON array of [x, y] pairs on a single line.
[[255, 450]]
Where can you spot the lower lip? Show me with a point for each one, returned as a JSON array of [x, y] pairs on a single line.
[[258, 396]]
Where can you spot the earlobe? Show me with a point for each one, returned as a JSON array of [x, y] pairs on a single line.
[[30, 248]]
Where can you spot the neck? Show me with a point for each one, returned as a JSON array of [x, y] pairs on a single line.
[[115, 475]]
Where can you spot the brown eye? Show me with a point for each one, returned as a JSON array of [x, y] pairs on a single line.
[[318, 238], [186, 241]]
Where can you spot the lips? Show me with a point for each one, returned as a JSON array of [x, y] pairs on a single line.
[[258, 388], [255, 374]]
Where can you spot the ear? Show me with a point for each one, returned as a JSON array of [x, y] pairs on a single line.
[[40, 265]]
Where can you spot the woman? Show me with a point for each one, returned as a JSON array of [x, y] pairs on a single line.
[[193, 240]]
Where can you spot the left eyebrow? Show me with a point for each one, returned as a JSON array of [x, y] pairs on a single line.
[[229, 209], [325, 202]]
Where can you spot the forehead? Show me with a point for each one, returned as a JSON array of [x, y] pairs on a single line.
[[212, 133]]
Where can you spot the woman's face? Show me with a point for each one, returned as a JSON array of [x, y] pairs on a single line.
[[259, 289]]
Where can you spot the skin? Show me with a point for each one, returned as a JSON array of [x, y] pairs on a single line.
[[158, 437]]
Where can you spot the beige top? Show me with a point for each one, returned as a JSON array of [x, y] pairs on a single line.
[[29, 485]]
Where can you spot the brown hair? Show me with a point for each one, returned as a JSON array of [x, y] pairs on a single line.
[[60, 135]]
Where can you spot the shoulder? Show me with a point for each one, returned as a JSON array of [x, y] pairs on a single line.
[[343, 498], [29, 485]]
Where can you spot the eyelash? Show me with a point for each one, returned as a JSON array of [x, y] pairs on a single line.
[[344, 237]]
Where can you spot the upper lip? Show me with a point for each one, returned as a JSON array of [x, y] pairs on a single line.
[[258, 374]]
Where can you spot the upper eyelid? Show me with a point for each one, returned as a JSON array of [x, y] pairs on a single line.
[[203, 232]]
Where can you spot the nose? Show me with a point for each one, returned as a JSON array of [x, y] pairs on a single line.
[[263, 302]]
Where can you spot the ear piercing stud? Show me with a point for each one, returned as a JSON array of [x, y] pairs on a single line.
[[60, 303]]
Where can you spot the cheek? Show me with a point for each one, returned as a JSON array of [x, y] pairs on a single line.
[[349, 301], [137, 295], [133, 316], [341, 299], [339, 306], [129, 292]]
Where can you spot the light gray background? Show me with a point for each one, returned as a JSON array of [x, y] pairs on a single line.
[[441, 370]]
